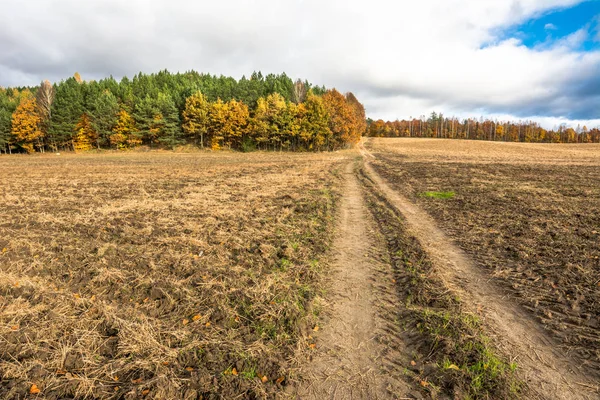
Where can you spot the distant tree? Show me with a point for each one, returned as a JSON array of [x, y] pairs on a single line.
[[125, 94], [8, 104], [104, 115], [157, 121], [291, 125], [342, 122], [5, 129], [123, 131], [377, 128], [260, 123], [360, 119], [167, 122], [570, 135], [268, 122], [26, 124], [300, 91], [277, 109], [315, 132], [437, 125], [280, 84], [65, 113], [249, 90], [144, 114], [236, 128], [218, 121], [44, 99], [85, 135], [196, 118]]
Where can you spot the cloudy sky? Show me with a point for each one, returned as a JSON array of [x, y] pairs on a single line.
[[537, 59]]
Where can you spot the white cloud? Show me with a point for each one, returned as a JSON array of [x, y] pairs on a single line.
[[550, 27], [401, 58], [574, 40]]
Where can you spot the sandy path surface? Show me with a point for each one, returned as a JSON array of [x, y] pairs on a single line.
[[349, 360]]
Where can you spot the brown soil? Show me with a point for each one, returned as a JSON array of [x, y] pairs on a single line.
[[349, 361], [165, 275], [533, 225], [550, 373]]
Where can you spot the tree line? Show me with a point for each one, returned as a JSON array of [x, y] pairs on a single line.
[[164, 110], [439, 126]]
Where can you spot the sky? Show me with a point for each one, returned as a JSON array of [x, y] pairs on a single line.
[[505, 59]]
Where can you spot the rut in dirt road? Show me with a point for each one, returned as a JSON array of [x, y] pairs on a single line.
[[349, 360], [549, 374]]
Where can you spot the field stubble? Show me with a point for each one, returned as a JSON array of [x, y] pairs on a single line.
[[160, 275]]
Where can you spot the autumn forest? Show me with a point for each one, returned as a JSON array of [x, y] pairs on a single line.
[[164, 110], [272, 112], [440, 126]]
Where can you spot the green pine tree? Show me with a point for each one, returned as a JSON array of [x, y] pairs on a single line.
[[171, 134], [66, 110], [157, 121], [7, 107], [103, 112]]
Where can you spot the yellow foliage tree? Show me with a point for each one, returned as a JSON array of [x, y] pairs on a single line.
[[217, 123], [293, 117], [26, 123], [85, 135], [500, 130], [238, 123], [123, 131], [315, 131], [269, 120], [196, 117], [276, 112], [227, 123], [259, 123]]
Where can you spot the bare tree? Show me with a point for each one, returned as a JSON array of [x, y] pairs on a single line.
[[45, 97], [300, 91], [44, 100]]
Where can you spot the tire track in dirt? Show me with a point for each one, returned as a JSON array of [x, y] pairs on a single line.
[[349, 360], [549, 373]]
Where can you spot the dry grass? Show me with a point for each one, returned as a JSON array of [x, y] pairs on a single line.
[[159, 275]]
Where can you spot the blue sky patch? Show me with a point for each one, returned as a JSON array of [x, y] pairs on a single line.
[[557, 25]]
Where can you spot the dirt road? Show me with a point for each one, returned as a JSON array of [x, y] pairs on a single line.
[[348, 361], [549, 374]]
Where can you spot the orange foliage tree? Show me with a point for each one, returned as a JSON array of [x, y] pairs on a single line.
[[360, 116], [342, 120], [26, 123]]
